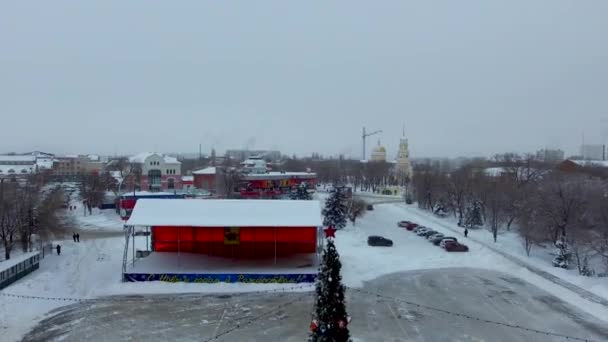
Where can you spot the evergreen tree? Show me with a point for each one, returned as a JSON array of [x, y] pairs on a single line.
[[472, 217], [335, 211], [301, 193], [331, 320]]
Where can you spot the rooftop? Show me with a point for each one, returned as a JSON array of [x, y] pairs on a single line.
[[13, 158], [226, 213], [206, 171], [141, 158]]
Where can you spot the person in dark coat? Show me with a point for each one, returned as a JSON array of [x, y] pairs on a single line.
[[77, 237], [58, 249], [74, 237], [466, 232]]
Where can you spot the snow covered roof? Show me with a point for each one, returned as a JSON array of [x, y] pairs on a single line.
[[591, 163], [12, 158], [225, 213], [141, 158], [187, 178], [145, 193], [206, 171]]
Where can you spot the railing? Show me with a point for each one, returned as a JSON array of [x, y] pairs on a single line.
[[16, 271]]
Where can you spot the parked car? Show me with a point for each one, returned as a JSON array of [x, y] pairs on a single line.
[[434, 236], [407, 225], [411, 226], [379, 241], [421, 232], [416, 229], [438, 240], [444, 241], [456, 247], [370, 207], [429, 233]]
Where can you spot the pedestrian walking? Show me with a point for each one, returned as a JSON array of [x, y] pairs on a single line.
[[466, 232], [58, 249], [74, 237], [77, 237]]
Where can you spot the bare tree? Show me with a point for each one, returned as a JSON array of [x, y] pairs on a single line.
[[228, 181], [356, 209], [8, 215]]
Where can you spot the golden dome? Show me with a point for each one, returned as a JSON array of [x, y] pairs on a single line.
[[380, 149]]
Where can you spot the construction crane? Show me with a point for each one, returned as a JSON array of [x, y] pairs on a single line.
[[364, 136]]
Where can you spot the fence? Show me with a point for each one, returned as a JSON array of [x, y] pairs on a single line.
[[45, 250], [13, 270]]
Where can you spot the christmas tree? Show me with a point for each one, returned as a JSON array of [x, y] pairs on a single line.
[[472, 217], [331, 321], [301, 193], [335, 211]]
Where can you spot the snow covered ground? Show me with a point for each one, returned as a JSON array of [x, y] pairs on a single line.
[[510, 243], [99, 220], [92, 268]]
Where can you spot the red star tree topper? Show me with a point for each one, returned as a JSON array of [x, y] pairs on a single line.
[[330, 232]]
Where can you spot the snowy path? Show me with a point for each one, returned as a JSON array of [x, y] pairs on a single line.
[[416, 213]]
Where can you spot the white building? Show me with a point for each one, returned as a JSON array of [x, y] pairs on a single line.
[[255, 164], [158, 171]]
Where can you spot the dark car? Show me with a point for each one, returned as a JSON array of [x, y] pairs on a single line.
[[379, 241], [456, 247], [437, 241], [370, 207], [429, 233]]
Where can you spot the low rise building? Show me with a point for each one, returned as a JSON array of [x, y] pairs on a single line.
[[158, 172]]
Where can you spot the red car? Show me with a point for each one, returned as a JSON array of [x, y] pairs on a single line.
[[407, 225], [453, 246]]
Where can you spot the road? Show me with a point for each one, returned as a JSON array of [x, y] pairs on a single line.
[[285, 316]]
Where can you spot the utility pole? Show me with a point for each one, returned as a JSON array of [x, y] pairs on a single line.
[[364, 136]]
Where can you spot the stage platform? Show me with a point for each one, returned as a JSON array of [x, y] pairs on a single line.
[[199, 268]]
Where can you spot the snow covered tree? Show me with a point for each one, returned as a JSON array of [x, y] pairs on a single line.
[[564, 255], [301, 193], [336, 211], [472, 217], [331, 321]]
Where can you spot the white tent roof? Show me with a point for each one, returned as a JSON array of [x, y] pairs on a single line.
[[225, 213]]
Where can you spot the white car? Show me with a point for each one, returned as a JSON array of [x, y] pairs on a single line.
[[419, 232], [434, 236], [442, 243]]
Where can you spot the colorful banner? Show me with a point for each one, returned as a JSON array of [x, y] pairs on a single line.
[[222, 278], [232, 236]]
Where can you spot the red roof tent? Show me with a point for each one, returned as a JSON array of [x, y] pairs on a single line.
[[231, 228]]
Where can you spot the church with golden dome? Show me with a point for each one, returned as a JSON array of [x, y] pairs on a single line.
[[379, 153]]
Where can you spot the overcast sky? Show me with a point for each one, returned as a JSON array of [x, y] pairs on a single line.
[[465, 77]]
